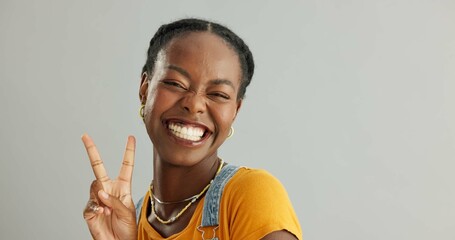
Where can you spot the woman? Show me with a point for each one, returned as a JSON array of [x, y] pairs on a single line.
[[192, 87]]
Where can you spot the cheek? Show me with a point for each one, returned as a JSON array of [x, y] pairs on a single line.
[[225, 116], [159, 101]]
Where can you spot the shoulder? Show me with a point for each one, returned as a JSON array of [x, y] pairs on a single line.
[[256, 204], [256, 182]]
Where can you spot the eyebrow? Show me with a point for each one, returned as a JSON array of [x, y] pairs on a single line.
[[214, 81], [222, 81], [180, 70]]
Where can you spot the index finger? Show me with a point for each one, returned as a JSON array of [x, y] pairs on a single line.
[[95, 159], [126, 171]]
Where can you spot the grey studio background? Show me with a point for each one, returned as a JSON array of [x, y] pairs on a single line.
[[352, 107]]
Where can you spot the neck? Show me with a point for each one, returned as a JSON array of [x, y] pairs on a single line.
[[174, 182]]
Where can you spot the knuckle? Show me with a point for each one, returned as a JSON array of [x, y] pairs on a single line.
[[104, 178], [123, 179], [96, 162], [94, 184], [88, 147], [130, 149], [127, 163]]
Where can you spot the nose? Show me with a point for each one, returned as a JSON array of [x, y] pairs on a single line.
[[194, 103]]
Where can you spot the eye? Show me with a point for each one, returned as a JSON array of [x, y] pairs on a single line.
[[172, 83], [220, 95]]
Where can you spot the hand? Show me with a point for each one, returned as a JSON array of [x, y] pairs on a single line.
[[110, 212]]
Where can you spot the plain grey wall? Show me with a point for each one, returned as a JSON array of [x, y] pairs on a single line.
[[352, 107]]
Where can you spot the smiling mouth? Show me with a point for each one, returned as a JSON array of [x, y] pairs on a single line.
[[187, 132]]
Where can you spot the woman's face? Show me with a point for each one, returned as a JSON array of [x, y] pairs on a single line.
[[191, 99]]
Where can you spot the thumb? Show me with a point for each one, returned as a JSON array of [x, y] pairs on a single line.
[[114, 204]]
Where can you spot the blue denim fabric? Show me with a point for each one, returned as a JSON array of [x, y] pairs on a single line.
[[210, 212], [138, 209], [213, 198]]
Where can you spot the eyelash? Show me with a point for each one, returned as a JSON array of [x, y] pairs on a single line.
[[224, 96], [176, 84]]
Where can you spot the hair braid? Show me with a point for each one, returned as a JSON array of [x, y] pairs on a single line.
[[172, 30]]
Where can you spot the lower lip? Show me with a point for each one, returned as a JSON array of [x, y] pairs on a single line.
[[184, 142]]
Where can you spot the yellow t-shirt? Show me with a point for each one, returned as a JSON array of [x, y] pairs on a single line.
[[253, 204]]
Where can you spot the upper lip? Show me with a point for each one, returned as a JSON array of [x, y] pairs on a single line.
[[187, 122]]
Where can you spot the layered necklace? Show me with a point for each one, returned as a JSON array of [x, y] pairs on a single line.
[[191, 200]]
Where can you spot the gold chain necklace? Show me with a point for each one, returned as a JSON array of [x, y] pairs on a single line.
[[174, 202], [193, 199]]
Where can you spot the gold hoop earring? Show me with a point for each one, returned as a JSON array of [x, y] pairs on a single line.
[[141, 112], [231, 132]]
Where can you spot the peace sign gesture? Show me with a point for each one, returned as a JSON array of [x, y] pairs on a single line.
[[110, 212]]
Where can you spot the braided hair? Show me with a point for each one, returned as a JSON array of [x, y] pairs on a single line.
[[167, 32]]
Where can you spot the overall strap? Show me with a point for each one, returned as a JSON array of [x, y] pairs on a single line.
[[139, 209], [210, 214], [212, 199]]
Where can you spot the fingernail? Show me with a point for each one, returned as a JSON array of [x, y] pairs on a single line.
[[104, 194]]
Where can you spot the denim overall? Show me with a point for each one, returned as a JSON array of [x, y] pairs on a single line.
[[210, 212]]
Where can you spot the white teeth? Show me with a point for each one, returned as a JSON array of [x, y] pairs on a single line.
[[186, 132]]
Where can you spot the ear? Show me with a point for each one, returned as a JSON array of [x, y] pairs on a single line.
[[239, 105], [143, 89]]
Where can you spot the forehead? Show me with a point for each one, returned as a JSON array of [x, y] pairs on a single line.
[[204, 54]]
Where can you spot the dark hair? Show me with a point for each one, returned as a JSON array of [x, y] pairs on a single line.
[[169, 31]]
